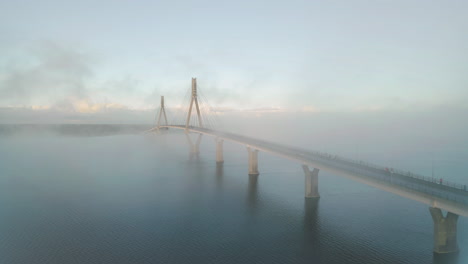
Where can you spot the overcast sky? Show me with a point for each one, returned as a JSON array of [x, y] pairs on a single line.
[[317, 56]]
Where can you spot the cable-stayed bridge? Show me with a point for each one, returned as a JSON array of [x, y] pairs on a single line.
[[439, 194]]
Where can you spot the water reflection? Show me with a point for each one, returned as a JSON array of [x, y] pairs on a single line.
[[113, 214], [219, 175], [446, 259], [311, 229], [194, 146], [252, 192], [311, 223]]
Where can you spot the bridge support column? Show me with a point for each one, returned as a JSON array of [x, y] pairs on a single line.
[[311, 182], [219, 151], [445, 231], [253, 162]]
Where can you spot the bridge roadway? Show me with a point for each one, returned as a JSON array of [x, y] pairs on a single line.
[[432, 193]]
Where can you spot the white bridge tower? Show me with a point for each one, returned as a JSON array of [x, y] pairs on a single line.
[[194, 100], [162, 111]]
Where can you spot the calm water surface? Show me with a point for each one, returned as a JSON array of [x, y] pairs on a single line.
[[145, 199]]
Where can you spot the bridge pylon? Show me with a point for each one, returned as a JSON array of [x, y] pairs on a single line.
[[193, 100], [194, 146], [162, 112]]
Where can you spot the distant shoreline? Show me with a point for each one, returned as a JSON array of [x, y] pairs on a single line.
[[72, 129]]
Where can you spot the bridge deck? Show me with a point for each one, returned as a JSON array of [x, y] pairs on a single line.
[[453, 198]]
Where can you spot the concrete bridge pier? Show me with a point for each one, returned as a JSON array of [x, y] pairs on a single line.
[[311, 182], [253, 162], [445, 231], [219, 151]]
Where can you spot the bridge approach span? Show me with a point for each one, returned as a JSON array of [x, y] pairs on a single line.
[[430, 193]]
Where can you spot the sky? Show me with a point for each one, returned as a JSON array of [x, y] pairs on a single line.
[[110, 61]]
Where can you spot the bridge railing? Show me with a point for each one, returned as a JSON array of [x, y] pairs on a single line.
[[397, 177], [428, 189], [391, 171], [355, 163]]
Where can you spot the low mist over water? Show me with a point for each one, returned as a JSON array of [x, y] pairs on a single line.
[[375, 91], [111, 194]]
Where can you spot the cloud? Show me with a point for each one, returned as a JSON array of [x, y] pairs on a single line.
[[86, 106], [61, 79], [51, 73], [310, 109], [83, 113], [224, 109]]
